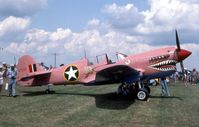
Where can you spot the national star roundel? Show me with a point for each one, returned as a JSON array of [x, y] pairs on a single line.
[[71, 73]]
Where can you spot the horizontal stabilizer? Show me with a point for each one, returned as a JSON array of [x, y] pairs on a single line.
[[35, 75], [30, 72]]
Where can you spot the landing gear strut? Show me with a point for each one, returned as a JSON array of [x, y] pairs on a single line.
[[137, 89], [126, 89]]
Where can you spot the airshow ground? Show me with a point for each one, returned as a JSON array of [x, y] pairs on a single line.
[[99, 106]]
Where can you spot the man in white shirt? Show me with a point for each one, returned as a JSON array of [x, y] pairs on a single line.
[[1, 77], [12, 73]]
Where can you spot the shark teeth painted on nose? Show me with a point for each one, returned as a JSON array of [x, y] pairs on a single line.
[[167, 65]]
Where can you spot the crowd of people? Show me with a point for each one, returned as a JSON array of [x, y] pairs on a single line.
[[8, 75], [192, 77], [189, 77]]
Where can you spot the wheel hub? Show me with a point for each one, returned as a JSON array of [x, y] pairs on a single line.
[[141, 95]]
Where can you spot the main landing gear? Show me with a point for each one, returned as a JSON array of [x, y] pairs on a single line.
[[137, 89]]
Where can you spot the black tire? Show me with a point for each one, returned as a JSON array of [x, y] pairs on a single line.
[[47, 91], [142, 94], [148, 89]]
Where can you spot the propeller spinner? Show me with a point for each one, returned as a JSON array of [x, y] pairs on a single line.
[[181, 53]]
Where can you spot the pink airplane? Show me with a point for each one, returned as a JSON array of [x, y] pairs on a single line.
[[130, 70]]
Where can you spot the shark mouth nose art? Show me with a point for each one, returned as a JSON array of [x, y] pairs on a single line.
[[167, 65]]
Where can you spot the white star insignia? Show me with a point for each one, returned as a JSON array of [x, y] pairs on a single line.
[[71, 73]]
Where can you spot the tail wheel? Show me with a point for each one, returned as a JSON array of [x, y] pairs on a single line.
[[47, 91], [142, 94]]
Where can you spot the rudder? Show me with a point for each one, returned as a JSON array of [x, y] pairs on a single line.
[[26, 65]]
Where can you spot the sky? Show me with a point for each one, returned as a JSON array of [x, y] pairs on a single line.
[[42, 28]]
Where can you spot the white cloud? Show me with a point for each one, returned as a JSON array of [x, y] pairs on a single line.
[[60, 34], [36, 35], [128, 30], [124, 17], [85, 39], [96, 38], [41, 41], [98, 43], [93, 23], [21, 48], [13, 25], [162, 16], [21, 7], [167, 15], [48, 47]]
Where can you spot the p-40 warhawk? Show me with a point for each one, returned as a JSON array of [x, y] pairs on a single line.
[[130, 70]]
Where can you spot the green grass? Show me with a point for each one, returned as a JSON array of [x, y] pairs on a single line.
[[99, 106]]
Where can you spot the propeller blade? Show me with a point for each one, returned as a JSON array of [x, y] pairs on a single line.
[[183, 71], [179, 52], [177, 40], [182, 67]]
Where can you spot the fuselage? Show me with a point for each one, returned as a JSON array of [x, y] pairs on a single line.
[[152, 64]]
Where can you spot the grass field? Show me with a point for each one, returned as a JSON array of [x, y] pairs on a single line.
[[99, 106]]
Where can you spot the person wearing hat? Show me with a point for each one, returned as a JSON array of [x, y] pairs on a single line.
[[1, 77], [5, 78], [12, 73]]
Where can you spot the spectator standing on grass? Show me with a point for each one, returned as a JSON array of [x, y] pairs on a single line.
[[5, 68], [165, 88], [193, 76], [186, 78], [175, 76], [12, 73], [5, 78], [197, 77], [1, 77]]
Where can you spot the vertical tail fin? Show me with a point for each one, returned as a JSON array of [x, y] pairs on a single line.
[[26, 65]]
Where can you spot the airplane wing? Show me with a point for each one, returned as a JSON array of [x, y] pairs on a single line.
[[117, 73]]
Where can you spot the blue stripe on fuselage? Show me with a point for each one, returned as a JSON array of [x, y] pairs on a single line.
[[135, 78], [158, 75]]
